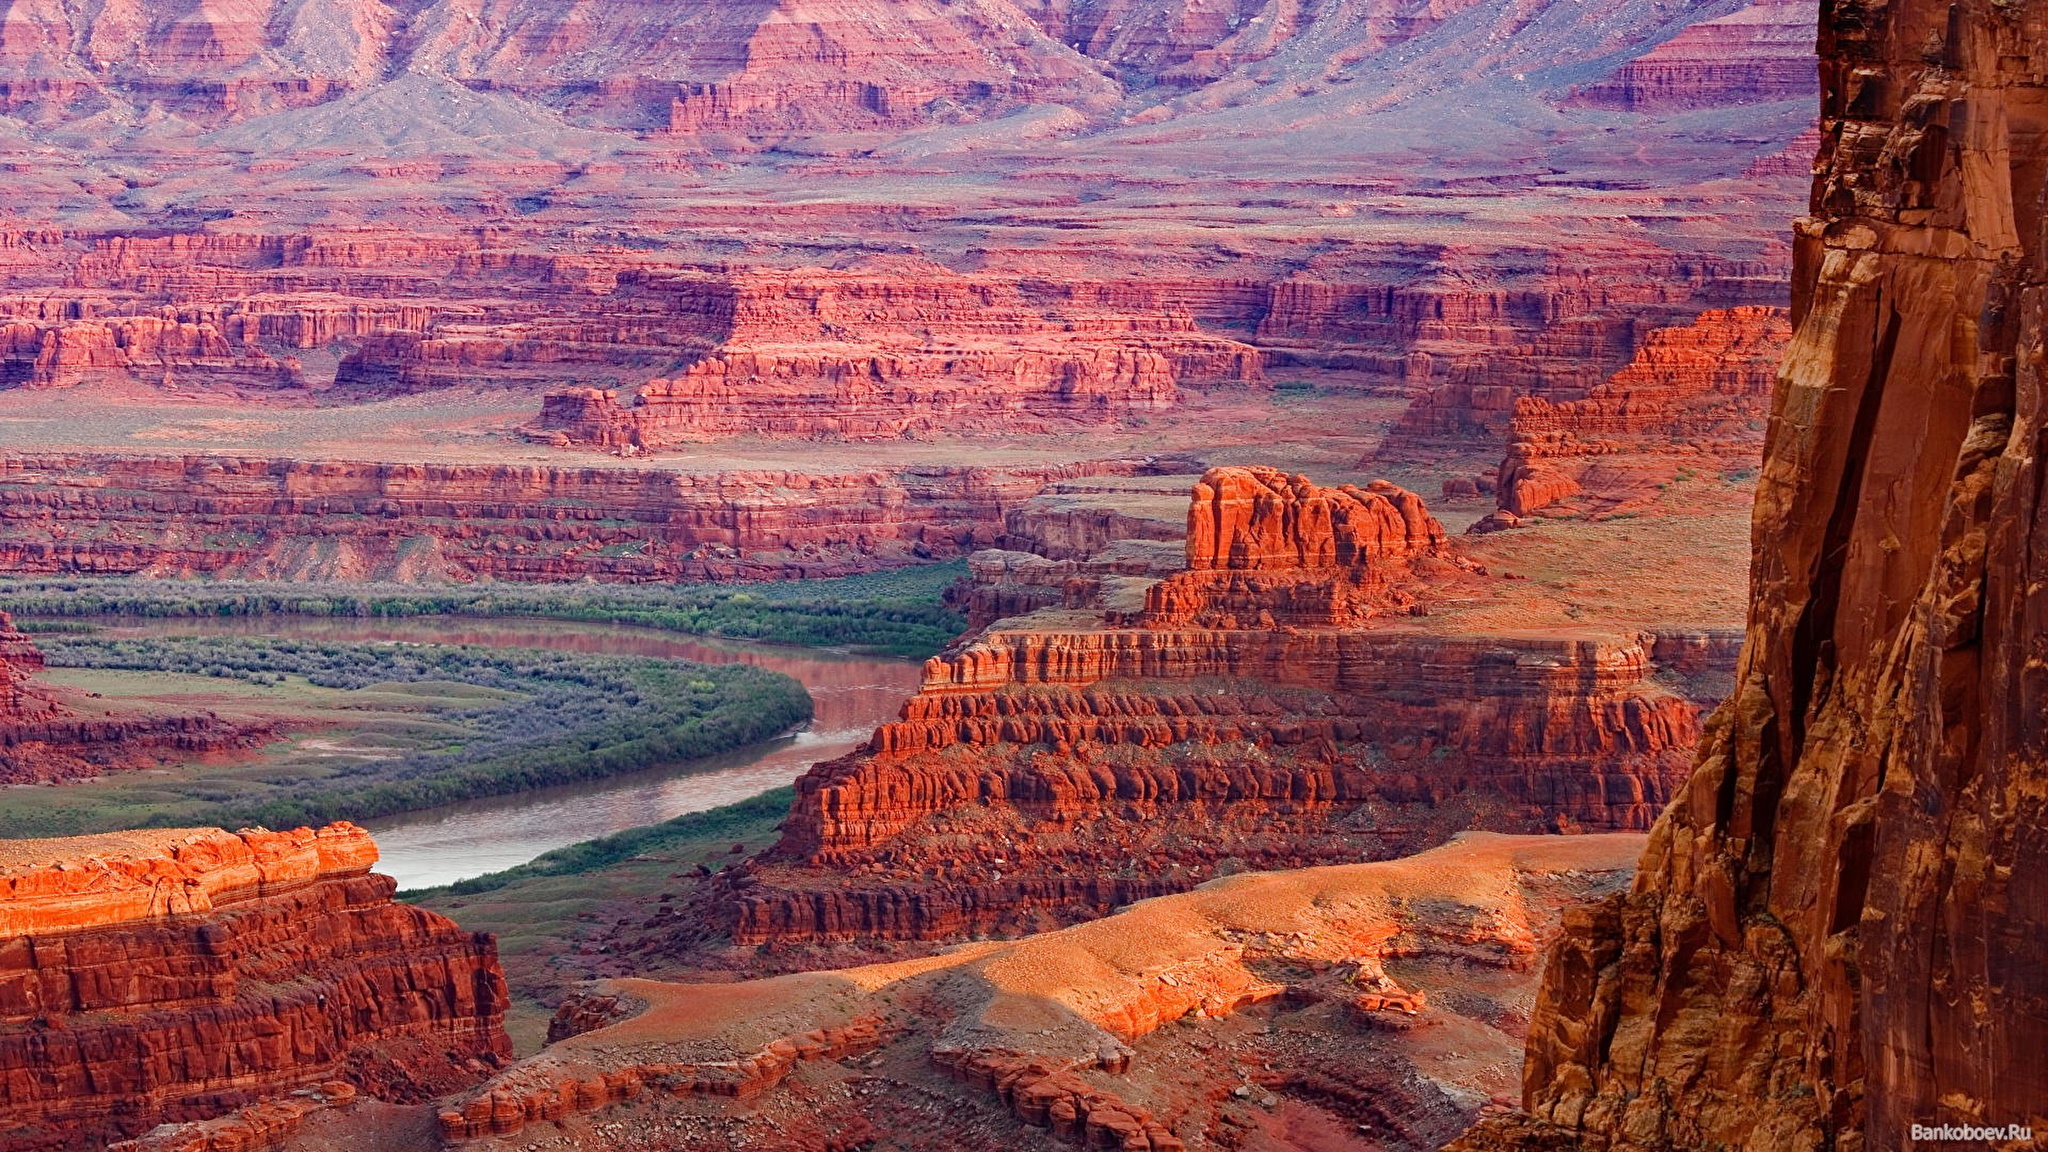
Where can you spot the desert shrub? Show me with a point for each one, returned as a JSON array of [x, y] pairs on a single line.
[[569, 717], [897, 613]]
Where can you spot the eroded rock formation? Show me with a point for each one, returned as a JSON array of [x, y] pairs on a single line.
[[148, 977], [817, 354], [1259, 709], [1759, 53], [1265, 549], [1699, 393], [43, 741], [1326, 999], [280, 518], [1837, 930]]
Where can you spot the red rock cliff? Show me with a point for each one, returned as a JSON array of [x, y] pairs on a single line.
[[817, 354], [1699, 390], [148, 977], [1760, 53], [273, 519], [1248, 716], [1265, 547], [42, 740], [1838, 928]]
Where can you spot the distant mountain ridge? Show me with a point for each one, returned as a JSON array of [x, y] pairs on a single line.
[[763, 69]]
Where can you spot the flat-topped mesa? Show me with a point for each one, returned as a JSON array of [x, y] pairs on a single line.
[[1267, 548], [883, 354], [1699, 390], [177, 975], [151, 350], [81, 882], [816, 393], [272, 518], [1249, 709]]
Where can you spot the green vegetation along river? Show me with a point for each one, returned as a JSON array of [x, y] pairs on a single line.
[[851, 695]]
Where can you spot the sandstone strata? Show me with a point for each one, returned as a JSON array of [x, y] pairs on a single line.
[[274, 518], [1258, 709], [1266, 549], [148, 977], [1699, 393], [43, 741], [815, 355], [1759, 53], [1837, 932]]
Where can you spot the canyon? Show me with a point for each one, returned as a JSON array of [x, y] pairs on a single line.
[[1348, 415], [1274, 702], [821, 222], [1328, 1003], [165, 976], [1835, 935]]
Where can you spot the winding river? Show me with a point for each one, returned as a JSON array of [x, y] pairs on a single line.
[[851, 696]]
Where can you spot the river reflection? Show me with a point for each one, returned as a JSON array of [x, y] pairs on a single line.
[[851, 695]]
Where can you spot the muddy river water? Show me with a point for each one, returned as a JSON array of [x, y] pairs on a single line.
[[851, 695]]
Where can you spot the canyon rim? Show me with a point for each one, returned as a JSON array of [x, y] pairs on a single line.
[[941, 575]]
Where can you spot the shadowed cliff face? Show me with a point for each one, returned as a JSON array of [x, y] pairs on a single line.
[[174, 975], [1839, 926]]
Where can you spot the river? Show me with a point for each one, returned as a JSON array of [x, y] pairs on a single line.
[[851, 696]]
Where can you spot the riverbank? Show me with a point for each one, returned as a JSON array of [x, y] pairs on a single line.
[[850, 695], [547, 914], [894, 613]]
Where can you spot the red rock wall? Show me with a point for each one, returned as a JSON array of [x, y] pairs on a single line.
[[42, 741], [862, 356], [196, 515], [1266, 548], [174, 976], [411, 311], [1467, 335], [1760, 53], [1837, 931], [1030, 757], [1704, 388]]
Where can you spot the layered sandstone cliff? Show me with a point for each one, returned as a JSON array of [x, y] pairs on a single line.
[[1700, 393], [148, 977], [1262, 708], [1837, 930], [276, 518], [1759, 53], [814, 354]]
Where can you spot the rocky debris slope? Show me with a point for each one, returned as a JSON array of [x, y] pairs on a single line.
[[1696, 396], [148, 977], [1381, 998], [282, 519], [1258, 709], [1837, 930]]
